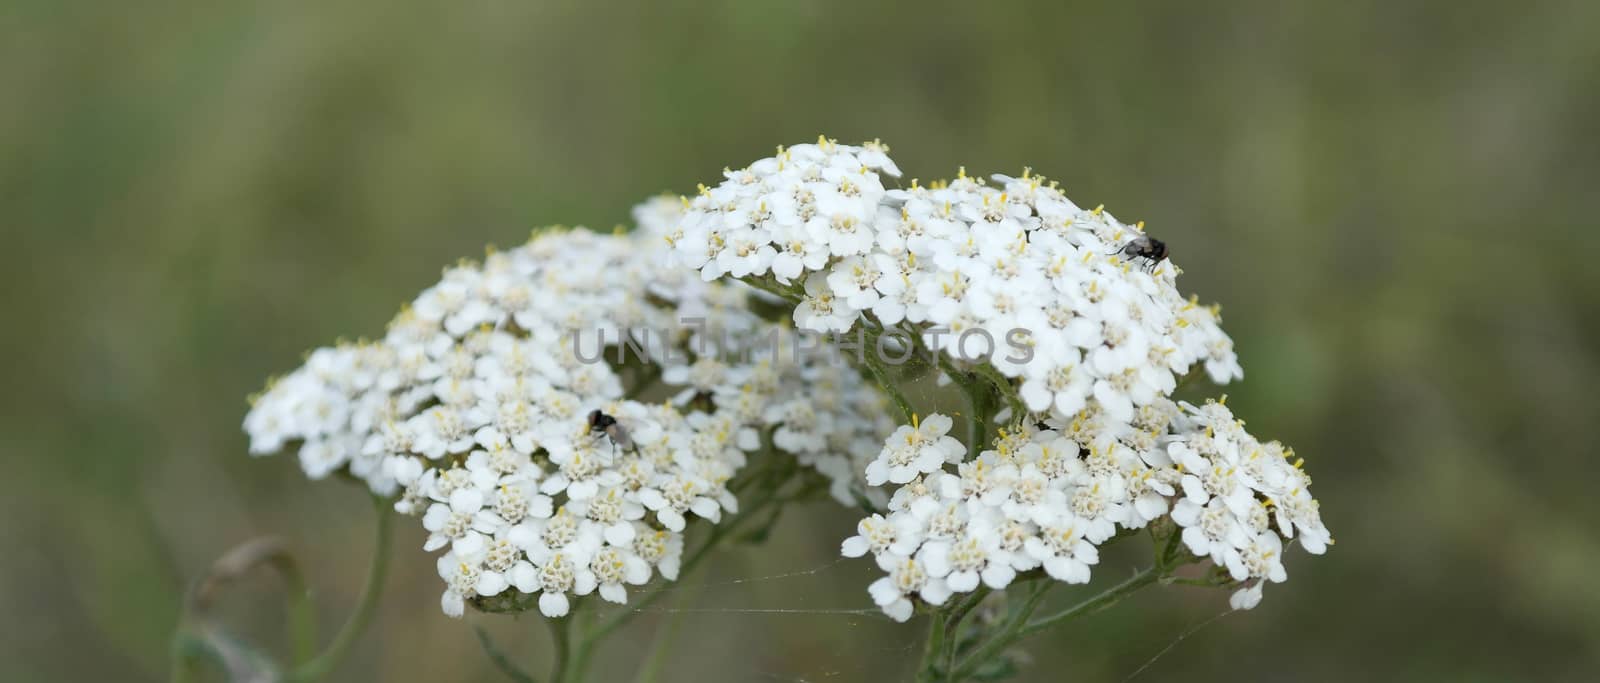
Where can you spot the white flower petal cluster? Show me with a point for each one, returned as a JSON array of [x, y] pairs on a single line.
[[1045, 499], [836, 424], [1241, 501], [974, 270], [475, 406], [919, 448], [330, 406]]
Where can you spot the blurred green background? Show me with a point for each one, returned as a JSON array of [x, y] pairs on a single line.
[[1393, 201]]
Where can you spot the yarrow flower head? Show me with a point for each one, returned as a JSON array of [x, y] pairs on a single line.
[[1070, 315], [967, 264], [501, 408], [475, 410]]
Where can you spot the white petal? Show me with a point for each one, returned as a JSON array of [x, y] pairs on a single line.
[[553, 604], [1186, 513], [523, 536], [652, 499], [883, 592], [466, 500], [877, 472], [452, 604], [1036, 396], [541, 507], [855, 546], [491, 583], [1059, 568], [525, 577], [635, 570], [1313, 544], [899, 610], [670, 519], [1197, 541], [935, 558], [435, 517], [707, 508], [998, 576], [620, 534], [1246, 598], [1150, 506], [963, 582], [1069, 403], [470, 545], [935, 591], [936, 424], [582, 490]]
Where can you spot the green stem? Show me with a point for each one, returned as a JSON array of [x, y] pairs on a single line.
[[983, 415], [771, 286], [366, 605], [240, 560], [661, 647], [186, 654], [979, 406], [1006, 635], [1003, 388], [1169, 553], [1201, 582], [1109, 597], [302, 618], [881, 374], [931, 652], [953, 623], [585, 649], [959, 611], [561, 639], [501, 661]]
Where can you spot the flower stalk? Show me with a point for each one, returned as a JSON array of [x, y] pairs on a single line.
[[501, 661], [763, 478], [366, 604], [561, 641]]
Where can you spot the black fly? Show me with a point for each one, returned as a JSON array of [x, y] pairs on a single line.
[[1152, 250], [605, 424]]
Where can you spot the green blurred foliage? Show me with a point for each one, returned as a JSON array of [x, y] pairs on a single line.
[[1392, 199]]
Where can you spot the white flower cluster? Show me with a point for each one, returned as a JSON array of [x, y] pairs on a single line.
[[1096, 336], [966, 266], [328, 406], [836, 424], [476, 407], [1242, 500], [486, 408], [1046, 498]]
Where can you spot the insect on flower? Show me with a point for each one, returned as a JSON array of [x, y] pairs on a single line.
[[608, 425], [1152, 250]]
